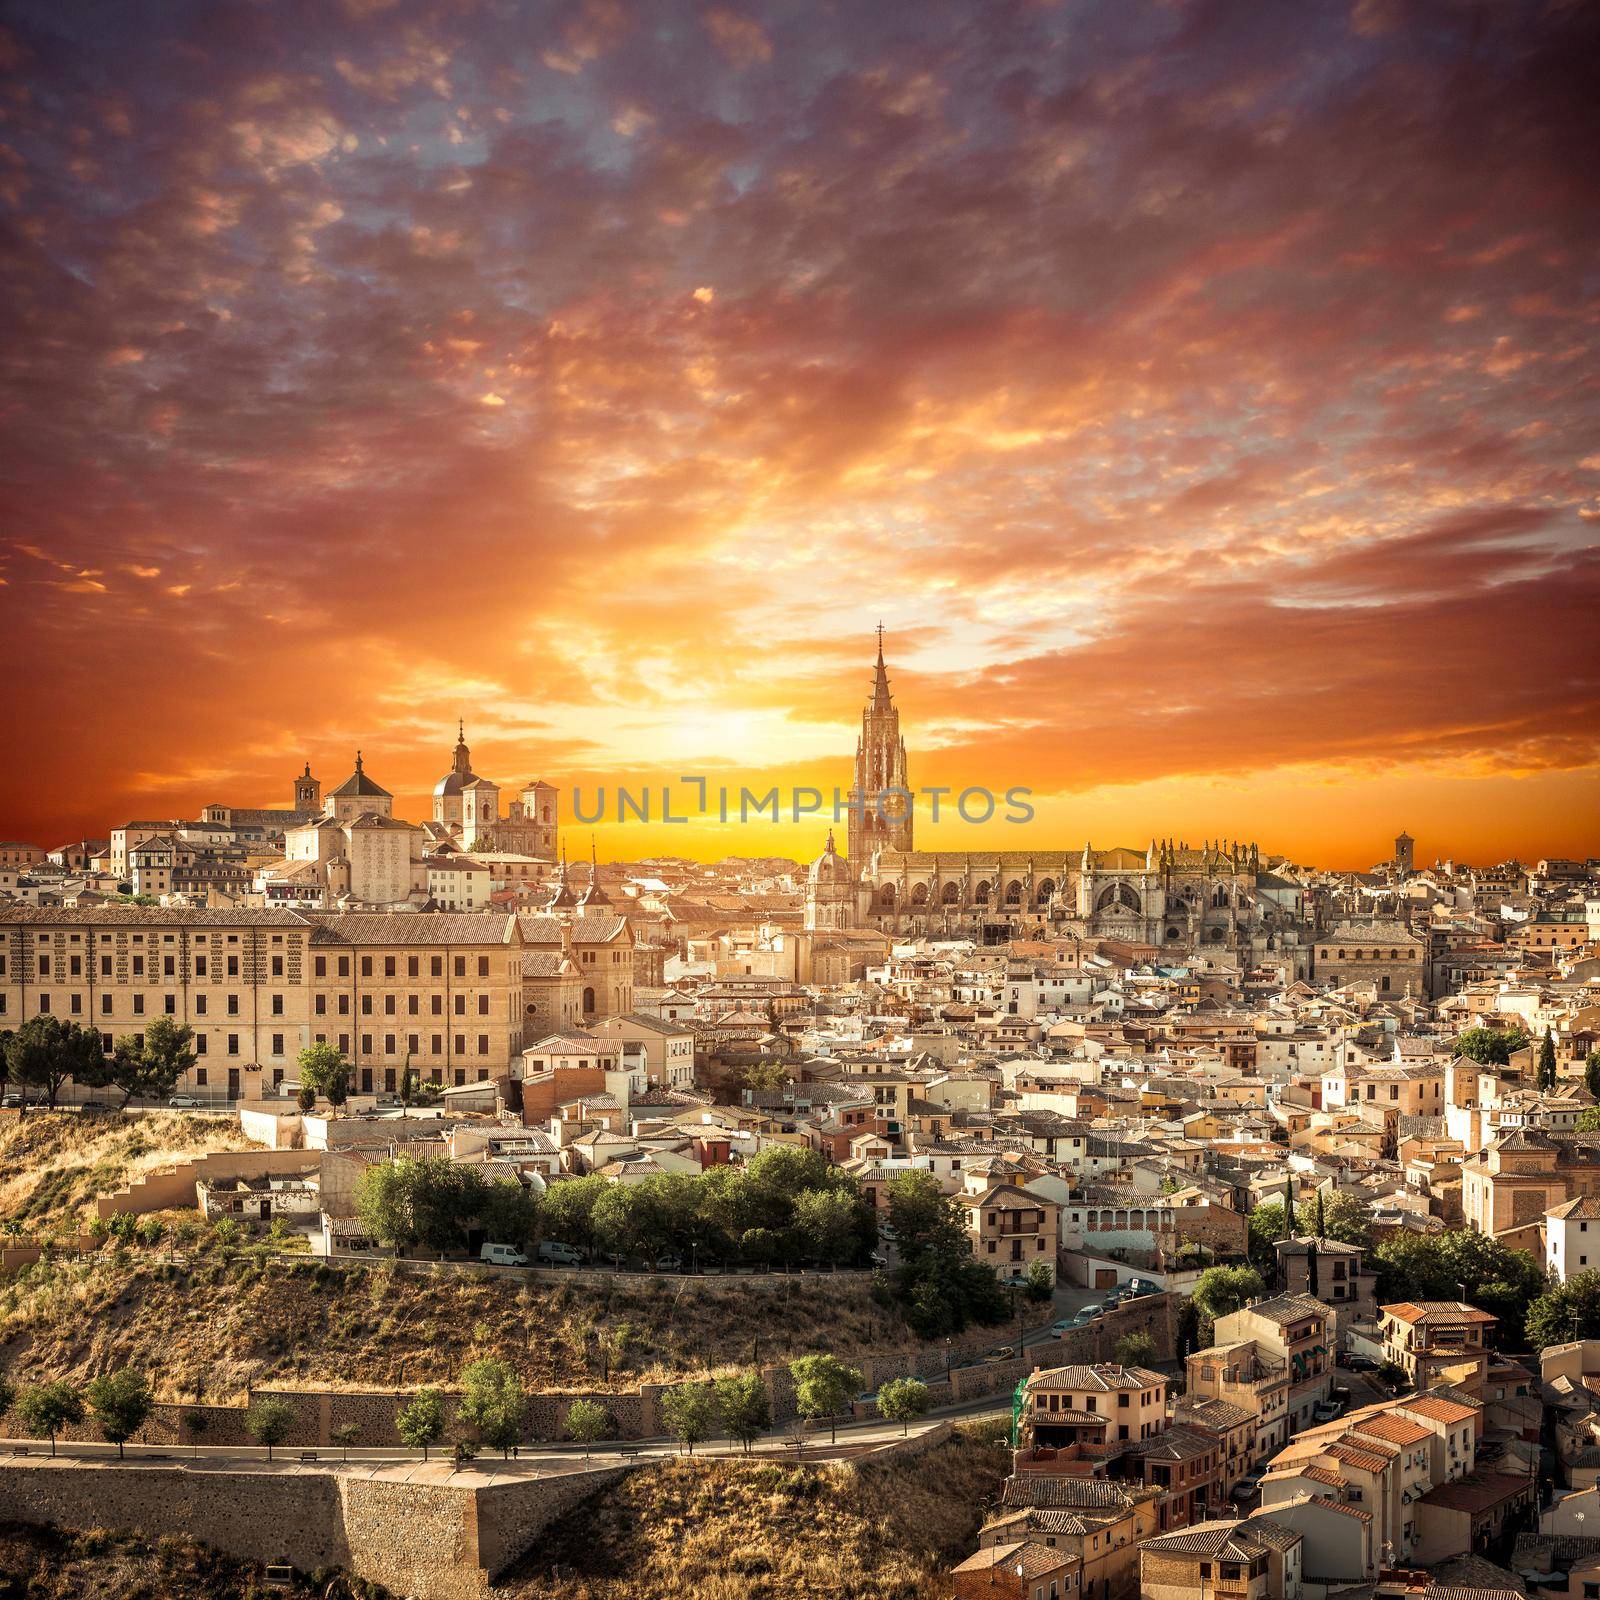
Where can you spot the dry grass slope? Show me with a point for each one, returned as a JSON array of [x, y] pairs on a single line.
[[53, 1165], [213, 1327], [51, 1564], [724, 1531]]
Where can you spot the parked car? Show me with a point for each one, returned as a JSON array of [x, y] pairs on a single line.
[[554, 1254], [1064, 1324], [1140, 1287], [1327, 1411], [1360, 1363], [502, 1255], [1246, 1489], [1082, 1318], [12, 1100], [183, 1102], [669, 1263], [93, 1105]]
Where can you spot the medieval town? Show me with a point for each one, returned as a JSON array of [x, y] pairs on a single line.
[[1231, 1212]]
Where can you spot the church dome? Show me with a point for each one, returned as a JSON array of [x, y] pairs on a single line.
[[830, 866], [460, 773]]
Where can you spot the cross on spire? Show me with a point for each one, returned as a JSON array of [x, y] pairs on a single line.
[[880, 641]]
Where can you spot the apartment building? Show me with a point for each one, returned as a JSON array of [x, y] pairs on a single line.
[[1010, 1229], [1428, 1337], [1293, 1329]]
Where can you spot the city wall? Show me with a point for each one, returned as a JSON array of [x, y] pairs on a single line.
[[430, 1541]]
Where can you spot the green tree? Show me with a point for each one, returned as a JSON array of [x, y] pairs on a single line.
[[152, 1063], [1547, 1061], [744, 1408], [588, 1422], [827, 1221], [823, 1387], [1135, 1350], [8, 1394], [1569, 1310], [941, 1288], [421, 1422], [509, 1213], [1490, 1047], [1462, 1265], [325, 1070], [45, 1052], [1040, 1281], [566, 1212], [1346, 1218], [120, 1403], [1266, 1226], [1588, 1120], [1591, 1073], [385, 1193], [48, 1408], [195, 1423], [408, 1084], [1224, 1289], [1188, 1335], [269, 1420], [493, 1402], [689, 1412], [903, 1400], [923, 1216], [346, 1435]]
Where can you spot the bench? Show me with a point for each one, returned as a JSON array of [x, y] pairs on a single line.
[[308, 1455]]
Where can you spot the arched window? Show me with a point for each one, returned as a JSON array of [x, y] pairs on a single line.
[[1046, 889], [981, 893], [1219, 895], [588, 1001], [919, 895], [1014, 892], [886, 896], [1118, 896], [952, 894]]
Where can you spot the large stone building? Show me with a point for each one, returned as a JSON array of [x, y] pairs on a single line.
[[1380, 951], [444, 992], [1168, 894]]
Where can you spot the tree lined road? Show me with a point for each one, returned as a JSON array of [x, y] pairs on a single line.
[[854, 1439]]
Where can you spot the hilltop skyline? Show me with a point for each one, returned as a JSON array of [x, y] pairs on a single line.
[[1201, 395]]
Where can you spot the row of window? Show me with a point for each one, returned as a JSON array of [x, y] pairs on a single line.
[[413, 1045]]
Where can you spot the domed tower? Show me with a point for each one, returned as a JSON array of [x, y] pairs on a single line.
[[449, 805], [830, 891], [880, 800]]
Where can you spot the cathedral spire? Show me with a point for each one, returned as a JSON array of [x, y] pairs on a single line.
[[880, 798], [880, 681]]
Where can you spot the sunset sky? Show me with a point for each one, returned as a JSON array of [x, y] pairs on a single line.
[[1204, 395]]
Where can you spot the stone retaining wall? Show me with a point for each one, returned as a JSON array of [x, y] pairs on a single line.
[[430, 1541]]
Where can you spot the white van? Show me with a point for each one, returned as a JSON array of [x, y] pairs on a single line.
[[502, 1255], [555, 1254]]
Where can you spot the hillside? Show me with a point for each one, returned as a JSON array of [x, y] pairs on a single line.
[[52, 1564], [211, 1328], [54, 1164], [724, 1531]]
